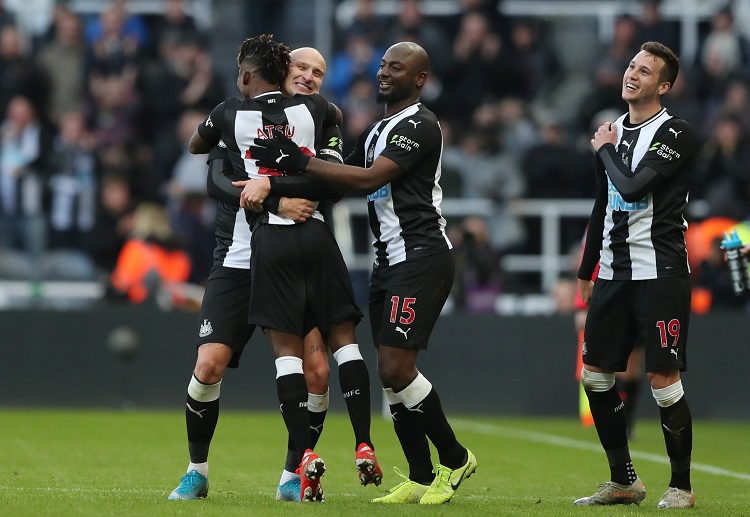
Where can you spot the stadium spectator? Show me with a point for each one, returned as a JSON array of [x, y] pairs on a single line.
[[24, 141], [357, 58], [191, 211], [486, 173], [181, 77], [72, 183], [359, 110], [19, 75], [115, 41], [538, 66], [481, 64], [62, 61], [651, 25], [479, 276], [175, 24], [6, 16], [721, 175], [113, 224], [367, 21], [152, 258], [614, 57], [723, 57], [411, 24]]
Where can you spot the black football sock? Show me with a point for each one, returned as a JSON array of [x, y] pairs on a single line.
[[317, 418], [413, 442], [677, 426], [292, 392], [292, 460], [452, 454], [201, 419], [608, 411], [354, 381], [629, 390]]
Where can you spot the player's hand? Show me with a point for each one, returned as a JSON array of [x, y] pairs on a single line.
[[254, 193], [296, 209], [278, 153], [606, 134], [586, 287]]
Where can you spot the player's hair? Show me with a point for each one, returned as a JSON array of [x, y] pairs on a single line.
[[671, 61], [269, 57]]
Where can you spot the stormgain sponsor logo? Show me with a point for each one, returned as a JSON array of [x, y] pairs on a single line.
[[382, 193], [333, 142], [618, 204], [664, 151], [404, 142]]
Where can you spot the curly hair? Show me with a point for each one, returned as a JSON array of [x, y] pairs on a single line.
[[270, 58]]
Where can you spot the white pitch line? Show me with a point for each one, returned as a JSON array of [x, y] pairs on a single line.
[[551, 439]]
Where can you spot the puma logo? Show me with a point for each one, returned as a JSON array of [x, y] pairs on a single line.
[[415, 123], [673, 351], [627, 144], [317, 429], [416, 409], [678, 432], [194, 411], [404, 332], [675, 132], [278, 160]]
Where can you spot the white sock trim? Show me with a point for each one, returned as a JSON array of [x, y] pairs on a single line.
[[203, 392], [390, 396], [415, 392], [596, 381], [202, 468], [288, 365], [317, 403], [286, 476], [347, 353], [668, 396]]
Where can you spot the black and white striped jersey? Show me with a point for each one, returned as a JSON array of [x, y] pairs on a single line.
[[405, 214], [232, 231], [637, 224], [237, 122]]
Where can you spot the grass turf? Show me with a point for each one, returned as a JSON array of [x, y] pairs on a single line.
[[85, 463]]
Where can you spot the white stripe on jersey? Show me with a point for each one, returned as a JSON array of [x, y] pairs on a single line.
[[640, 221], [249, 124], [390, 226], [238, 254]]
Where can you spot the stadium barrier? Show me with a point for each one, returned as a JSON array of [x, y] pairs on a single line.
[[141, 357]]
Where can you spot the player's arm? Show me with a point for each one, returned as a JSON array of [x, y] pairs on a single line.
[[594, 234], [219, 185], [310, 187], [208, 133], [666, 154]]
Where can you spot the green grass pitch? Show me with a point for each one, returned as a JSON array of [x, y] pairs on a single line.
[[92, 463]]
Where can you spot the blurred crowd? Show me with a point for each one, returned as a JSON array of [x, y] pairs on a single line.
[[96, 114]]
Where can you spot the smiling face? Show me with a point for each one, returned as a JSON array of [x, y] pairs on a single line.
[[306, 72], [402, 73], [642, 82]]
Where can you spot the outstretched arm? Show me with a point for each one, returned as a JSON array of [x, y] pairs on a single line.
[[283, 154]]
